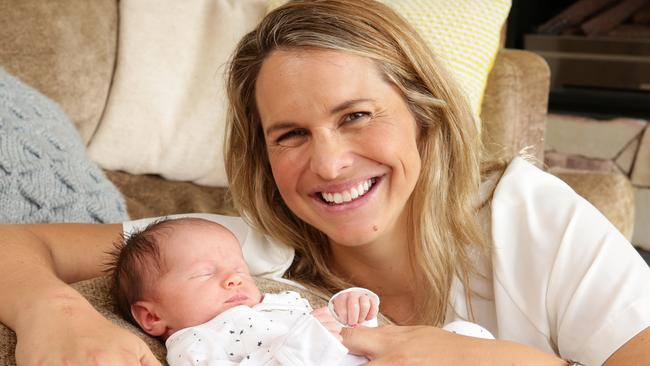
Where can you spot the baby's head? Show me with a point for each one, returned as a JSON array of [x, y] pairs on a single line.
[[179, 273]]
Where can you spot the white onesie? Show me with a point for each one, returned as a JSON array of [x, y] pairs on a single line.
[[278, 331]]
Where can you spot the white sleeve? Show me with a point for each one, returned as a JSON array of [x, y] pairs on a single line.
[[368, 323], [469, 329], [558, 261], [265, 257]]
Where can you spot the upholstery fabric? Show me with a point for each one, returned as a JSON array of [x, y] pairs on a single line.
[[45, 175], [617, 204], [464, 34], [514, 107], [65, 49], [167, 105], [152, 196]]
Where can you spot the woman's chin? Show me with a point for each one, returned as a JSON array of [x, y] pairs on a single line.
[[353, 238]]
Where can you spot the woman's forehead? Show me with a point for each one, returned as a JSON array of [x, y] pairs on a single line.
[[314, 80]]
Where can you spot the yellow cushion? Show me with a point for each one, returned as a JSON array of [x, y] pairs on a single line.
[[464, 34]]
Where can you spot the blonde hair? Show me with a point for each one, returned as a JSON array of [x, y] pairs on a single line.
[[442, 208]]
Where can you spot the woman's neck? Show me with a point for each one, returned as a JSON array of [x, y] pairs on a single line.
[[383, 266]]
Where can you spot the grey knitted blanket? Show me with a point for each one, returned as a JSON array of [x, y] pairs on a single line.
[[45, 175]]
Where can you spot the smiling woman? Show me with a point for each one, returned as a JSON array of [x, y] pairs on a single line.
[[372, 170], [329, 121]]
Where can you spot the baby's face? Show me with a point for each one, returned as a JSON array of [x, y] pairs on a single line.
[[204, 274]]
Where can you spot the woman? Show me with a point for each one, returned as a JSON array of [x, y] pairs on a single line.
[[347, 142]]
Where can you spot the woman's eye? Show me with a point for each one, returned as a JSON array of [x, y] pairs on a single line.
[[355, 116], [291, 138]]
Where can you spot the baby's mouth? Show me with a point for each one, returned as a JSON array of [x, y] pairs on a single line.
[[237, 298], [348, 195]]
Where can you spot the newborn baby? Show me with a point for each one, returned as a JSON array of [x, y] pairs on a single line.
[[186, 281]]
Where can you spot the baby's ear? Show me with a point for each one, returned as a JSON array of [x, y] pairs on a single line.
[[144, 312]]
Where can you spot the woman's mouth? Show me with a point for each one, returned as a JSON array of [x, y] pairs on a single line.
[[348, 195]]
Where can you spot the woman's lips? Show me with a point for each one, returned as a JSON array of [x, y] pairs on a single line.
[[357, 202]]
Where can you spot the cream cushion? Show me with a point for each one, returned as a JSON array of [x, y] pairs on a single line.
[[166, 109]]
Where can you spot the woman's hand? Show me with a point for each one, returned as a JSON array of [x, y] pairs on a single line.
[[425, 345], [75, 334]]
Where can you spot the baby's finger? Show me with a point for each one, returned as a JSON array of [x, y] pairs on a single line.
[[353, 310], [364, 308], [340, 307], [374, 308]]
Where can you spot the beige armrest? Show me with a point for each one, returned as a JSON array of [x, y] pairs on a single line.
[[515, 104], [611, 193]]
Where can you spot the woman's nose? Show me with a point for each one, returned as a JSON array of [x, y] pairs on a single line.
[[330, 155]]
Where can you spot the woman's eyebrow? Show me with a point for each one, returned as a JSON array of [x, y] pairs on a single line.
[[279, 126], [340, 107], [349, 103]]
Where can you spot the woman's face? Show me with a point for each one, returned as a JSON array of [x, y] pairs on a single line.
[[341, 142]]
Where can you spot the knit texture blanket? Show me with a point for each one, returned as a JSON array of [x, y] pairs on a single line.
[[45, 175]]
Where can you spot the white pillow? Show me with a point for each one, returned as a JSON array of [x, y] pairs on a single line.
[[166, 109]]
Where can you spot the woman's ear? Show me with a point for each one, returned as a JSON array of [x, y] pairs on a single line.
[[144, 313]]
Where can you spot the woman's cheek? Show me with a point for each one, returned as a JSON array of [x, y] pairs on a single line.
[[284, 166]]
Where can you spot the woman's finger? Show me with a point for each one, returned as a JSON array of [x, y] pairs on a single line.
[[363, 341], [148, 359]]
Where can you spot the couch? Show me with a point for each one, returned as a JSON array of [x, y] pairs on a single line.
[[67, 49]]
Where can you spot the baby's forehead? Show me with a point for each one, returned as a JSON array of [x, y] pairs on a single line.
[[187, 226], [195, 238]]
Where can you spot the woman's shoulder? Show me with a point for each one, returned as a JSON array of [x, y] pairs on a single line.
[[561, 262], [534, 207], [523, 180]]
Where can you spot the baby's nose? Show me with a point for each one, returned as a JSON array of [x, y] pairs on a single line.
[[233, 281]]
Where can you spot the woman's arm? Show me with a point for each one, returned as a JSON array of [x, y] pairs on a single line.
[[425, 345], [633, 352], [52, 321], [37, 260]]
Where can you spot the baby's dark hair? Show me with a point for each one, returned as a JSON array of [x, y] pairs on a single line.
[[135, 263]]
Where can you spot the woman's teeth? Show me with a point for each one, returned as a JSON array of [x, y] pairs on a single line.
[[350, 194]]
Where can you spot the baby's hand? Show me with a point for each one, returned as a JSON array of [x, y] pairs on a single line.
[[325, 317], [353, 308]]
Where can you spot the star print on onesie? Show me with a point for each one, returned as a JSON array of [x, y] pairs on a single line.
[[278, 331]]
